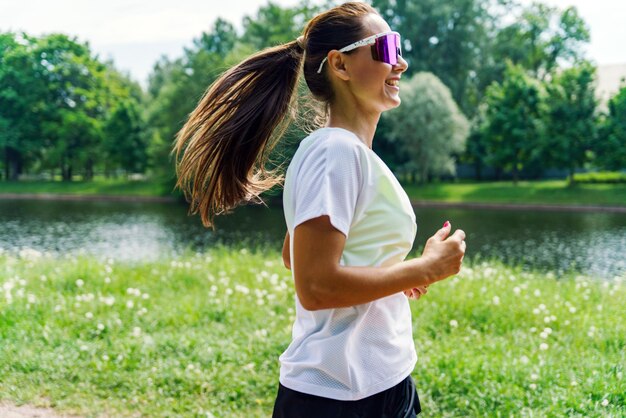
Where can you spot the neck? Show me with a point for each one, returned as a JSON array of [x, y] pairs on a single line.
[[356, 120]]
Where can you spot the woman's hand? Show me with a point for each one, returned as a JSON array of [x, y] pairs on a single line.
[[443, 254], [416, 292]]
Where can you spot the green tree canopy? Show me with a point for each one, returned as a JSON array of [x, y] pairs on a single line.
[[611, 146], [428, 126], [512, 127]]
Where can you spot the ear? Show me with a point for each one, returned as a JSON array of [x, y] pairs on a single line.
[[337, 64]]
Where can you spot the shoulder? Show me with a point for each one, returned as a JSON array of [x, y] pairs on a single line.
[[336, 143]]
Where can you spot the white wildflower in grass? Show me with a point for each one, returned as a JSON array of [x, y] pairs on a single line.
[[517, 290], [573, 383], [552, 318], [242, 289], [572, 310], [543, 335], [105, 357], [537, 292], [495, 300], [536, 311], [604, 402], [79, 283], [260, 302], [532, 386], [543, 346], [524, 360], [542, 307], [108, 269], [133, 291], [454, 323], [31, 298], [534, 376], [107, 280], [599, 308], [547, 330], [262, 333], [136, 332], [89, 315], [130, 304], [107, 300], [547, 319], [229, 291], [142, 311], [83, 348], [100, 326], [566, 322], [58, 308], [145, 296], [43, 278]]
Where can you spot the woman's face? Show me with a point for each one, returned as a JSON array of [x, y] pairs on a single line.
[[374, 84]]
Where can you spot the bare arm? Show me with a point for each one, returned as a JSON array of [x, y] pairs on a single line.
[[286, 256], [321, 283]]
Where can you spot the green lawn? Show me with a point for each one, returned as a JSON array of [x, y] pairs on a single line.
[[200, 335], [544, 192], [96, 187]]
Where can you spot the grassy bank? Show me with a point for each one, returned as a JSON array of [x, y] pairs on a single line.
[[96, 187], [539, 192], [555, 192], [200, 335]]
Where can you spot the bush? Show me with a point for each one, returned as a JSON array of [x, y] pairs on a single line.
[[601, 177]]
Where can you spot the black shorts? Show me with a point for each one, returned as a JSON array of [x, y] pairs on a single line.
[[400, 401]]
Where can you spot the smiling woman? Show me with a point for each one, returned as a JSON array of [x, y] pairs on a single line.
[[350, 225]]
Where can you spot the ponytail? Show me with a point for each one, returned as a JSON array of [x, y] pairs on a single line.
[[227, 139]]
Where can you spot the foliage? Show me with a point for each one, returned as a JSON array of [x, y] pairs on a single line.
[[55, 99], [611, 146], [571, 118], [428, 126], [200, 334], [513, 127]]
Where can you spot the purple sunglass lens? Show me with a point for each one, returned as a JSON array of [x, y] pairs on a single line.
[[387, 49]]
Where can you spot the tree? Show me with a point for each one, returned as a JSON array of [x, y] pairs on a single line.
[[539, 40], [513, 128], [447, 38], [610, 149], [429, 126], [22, 102], [571, 118], [125, 144]]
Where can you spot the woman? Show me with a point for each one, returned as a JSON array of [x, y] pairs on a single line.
[[352, 225]]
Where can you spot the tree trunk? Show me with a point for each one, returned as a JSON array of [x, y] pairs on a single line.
[[89, 170]]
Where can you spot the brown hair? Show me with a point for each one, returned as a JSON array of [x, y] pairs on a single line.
[[228, 136]]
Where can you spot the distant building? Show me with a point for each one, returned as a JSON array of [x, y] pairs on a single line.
[[610, 78]]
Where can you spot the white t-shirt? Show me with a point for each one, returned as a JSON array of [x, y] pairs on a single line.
[[354, 352]]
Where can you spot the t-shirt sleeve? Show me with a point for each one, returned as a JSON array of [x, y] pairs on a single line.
[[328, 183]]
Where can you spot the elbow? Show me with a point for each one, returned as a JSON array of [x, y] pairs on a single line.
[[313, 295]]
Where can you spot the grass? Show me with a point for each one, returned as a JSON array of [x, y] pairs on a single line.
[[100, 186], [526, 192], [200, 335]]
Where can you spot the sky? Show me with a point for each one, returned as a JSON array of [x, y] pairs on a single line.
[[135, 33]]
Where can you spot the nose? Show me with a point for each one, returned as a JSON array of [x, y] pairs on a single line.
[[402, 65]]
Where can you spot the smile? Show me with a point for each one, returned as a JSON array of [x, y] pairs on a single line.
[[393, 83]]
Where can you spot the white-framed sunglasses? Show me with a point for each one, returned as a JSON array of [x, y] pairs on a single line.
[[385, 48]]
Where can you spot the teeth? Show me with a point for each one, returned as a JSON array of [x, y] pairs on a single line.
[[392, 82]]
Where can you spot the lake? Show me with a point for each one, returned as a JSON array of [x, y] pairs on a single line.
[[590, 243]]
